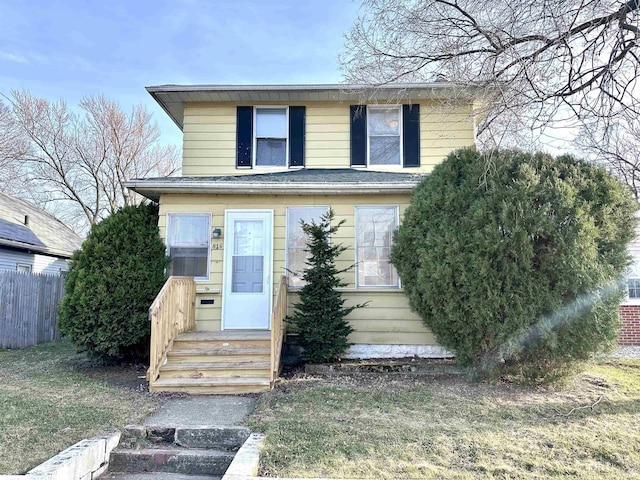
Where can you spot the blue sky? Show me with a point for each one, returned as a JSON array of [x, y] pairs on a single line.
[[68, 49]]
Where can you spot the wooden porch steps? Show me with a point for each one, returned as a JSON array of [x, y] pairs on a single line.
[[207, 386], [217, 363]]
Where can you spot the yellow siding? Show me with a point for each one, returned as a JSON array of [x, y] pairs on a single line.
[[387, 319], [210, 136]]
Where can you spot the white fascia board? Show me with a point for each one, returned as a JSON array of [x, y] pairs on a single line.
[[152, 189]]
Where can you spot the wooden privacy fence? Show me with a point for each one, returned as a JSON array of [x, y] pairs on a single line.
[[29, 308]]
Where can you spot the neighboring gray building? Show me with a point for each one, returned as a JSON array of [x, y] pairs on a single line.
[[32, 240]]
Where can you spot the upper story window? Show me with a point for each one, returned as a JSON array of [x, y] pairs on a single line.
[[268, 136], [374, 235], [384, 136], [188, 237], [271, 137], [297, 240], [384, 126]]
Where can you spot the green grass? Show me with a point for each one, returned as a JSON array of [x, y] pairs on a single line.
[[386, 427], [47, 404]]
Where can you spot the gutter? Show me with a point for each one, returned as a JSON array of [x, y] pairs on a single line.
[[153, 189]]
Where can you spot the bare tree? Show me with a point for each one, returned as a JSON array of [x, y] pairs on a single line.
[[616, 147], [12, 149], [545, 63], [76, 163]]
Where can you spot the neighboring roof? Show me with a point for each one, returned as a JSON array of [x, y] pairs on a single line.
[[43, 234], [18, 233], [172, 98], [309, 181]]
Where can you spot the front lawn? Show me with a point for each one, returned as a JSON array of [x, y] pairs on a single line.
[[51, 397], [402, 427]]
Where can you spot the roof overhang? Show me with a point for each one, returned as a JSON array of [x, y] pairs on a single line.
[[172, 98], [27, 247], [152, 189]]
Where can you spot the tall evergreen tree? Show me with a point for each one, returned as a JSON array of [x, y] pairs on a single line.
[[320, 314]]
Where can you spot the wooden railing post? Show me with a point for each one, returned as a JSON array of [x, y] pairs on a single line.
[[277, 328], [171, 313]]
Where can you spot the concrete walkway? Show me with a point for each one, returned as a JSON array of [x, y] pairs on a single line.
[[204, 410], [193, 411]]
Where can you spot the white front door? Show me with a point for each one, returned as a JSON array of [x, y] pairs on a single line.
[[248, 266]]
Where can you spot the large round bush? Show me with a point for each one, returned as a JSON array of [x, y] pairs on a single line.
[[514, 260], [112, 281]]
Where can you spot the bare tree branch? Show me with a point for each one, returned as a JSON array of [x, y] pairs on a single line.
[[543, 64], [80, 160]]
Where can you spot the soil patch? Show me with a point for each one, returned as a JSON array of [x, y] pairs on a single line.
[[124, 375]]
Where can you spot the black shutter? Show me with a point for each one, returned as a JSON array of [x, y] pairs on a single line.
[[297, 119], [411, 135], [358, 135], [244, 137]]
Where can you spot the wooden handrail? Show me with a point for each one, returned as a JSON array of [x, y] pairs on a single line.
[[277, 328], [171, 313]]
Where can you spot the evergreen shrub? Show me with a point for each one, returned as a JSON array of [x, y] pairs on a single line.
[[112, 281], [515, 260], [319, 315]]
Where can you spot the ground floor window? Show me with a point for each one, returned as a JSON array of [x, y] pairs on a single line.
[[188, 237], [23, 268], [374, 236], [297, 240], [633, 279]]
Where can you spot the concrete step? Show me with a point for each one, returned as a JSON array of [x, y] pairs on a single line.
[[208, 386], [157, 476], [214, 369], [215, 437], [170, 460]]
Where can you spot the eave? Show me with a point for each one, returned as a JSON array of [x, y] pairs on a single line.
[[28, 248], [152, 189], [172, 98]]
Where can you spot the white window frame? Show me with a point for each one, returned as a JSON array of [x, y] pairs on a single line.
[[192, 214], [255, 136], [627, 299], [286, 233], [26, 267], [400, 133], [398, 285]]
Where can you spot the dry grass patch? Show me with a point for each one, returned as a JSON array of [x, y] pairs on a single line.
[[377, 426], [49, 401]]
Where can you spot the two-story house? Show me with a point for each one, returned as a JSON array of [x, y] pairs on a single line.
[[257, 160]]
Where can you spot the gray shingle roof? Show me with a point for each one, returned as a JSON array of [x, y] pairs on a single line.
[[293, 182], [18, 233], [44, 233], [306, 175]]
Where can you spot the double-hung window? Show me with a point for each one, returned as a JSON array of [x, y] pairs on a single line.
[[374, 236], [633, 280], [384, 135], [188, 244], [297, 240], [271, 138]]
